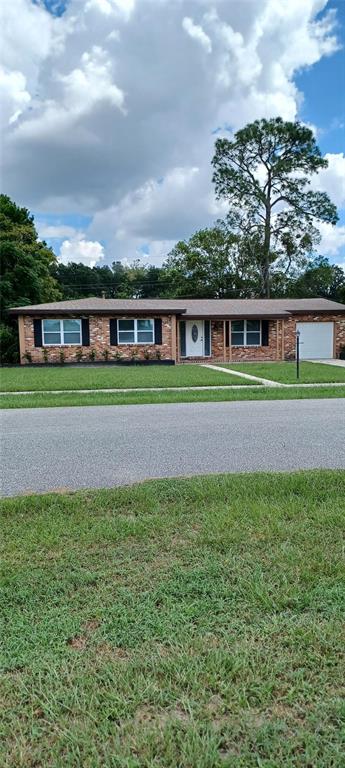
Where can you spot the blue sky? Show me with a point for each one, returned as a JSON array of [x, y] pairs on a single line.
[[323, 86], [111, 108]]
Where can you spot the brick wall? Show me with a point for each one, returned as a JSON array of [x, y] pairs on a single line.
[[281, 344], [290, 331], [271, 352], [99, 341], [217, 340]]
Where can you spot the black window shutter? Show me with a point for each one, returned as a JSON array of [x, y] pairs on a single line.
[[264, 333], [182, 338], [113, 332], [85, 332], [227, 334], [38, 333], [158, 330], [207, 338]]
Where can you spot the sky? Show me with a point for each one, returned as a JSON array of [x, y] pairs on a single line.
[[111, 109]]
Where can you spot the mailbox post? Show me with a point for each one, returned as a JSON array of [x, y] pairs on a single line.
[[297, 353]]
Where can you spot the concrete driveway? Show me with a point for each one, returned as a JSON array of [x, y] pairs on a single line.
[[333, 361], [102, 446]]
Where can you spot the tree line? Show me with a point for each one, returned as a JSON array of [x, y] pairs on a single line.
[[265, 246]]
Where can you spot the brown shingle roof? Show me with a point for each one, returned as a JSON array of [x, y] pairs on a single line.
[[187, 307]]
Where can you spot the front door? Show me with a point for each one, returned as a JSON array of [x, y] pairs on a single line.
[[194, 338]]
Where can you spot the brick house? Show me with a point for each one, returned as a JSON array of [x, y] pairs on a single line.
[[180, 330]]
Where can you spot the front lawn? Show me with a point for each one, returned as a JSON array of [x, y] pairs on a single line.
[[21, 379], [310, 373], [194, 623], [50, 400]]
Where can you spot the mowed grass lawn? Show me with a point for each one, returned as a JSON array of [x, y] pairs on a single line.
[[64, 377], [66, 399], [192, 623], [310, 373]]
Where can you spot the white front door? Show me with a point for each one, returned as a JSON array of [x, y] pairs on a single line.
[[194, 338], [316, 340]]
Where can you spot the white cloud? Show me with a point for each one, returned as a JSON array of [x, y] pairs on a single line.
[[14, 96], [82, 251], [157, 213], [116, 95], [55, 231], [332, 239], [82, 89], [108, 7], [196, 32], [332, 179]]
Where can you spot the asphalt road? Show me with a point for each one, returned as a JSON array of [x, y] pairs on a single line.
[[102, 446]]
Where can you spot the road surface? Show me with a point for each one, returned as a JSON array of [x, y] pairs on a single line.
[[102, 446]]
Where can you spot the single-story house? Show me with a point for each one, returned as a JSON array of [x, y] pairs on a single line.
[[180, 330]]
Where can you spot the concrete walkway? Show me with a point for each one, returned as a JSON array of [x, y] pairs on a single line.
[[231, 372], [209, 387], [339, 363], [173, 389]]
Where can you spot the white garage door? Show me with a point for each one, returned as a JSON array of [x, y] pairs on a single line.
[[316, 340]]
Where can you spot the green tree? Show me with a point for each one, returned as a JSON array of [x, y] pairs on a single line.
[[76, 280], [209, 265], [264, 173], [26, 271], [319, 279]]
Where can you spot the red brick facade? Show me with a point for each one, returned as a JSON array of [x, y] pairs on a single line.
[[281, 342], [99, 343], [290, 329]]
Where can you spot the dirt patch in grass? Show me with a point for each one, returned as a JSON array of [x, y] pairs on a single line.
[[147, 715], [78, 643]]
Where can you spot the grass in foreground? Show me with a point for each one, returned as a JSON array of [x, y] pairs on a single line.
[[47, 400], [64, 377], [310, 373], [194, 623]]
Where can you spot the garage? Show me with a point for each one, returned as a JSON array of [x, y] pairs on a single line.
[[316, 340]]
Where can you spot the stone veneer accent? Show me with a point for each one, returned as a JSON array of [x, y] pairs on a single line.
[[99, 342], [281, 342]]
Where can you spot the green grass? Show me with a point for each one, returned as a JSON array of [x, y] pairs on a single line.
[[19, 379], [47, 400], [310, 373], [190, 623]]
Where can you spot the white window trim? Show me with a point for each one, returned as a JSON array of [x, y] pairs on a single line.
[[245, 335], [135, 342], [62, 335]]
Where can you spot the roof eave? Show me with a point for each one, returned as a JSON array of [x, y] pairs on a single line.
[[15, 311], [316, 311]]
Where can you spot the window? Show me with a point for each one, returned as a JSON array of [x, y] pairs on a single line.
[[60, 332], [246, 333], [136, 331]]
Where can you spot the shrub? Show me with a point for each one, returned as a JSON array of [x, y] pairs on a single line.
[[79, 355], [158, 354], [62, 357], [27, 356], [105, 354], [9, 350], [147, 354], [118, 355], [92, 355], [45, 355]]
